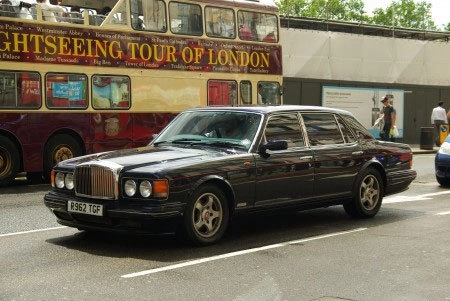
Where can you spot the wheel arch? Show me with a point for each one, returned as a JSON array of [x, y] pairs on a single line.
[[70, 132], [222, 184], [16, 142], [378, 167]]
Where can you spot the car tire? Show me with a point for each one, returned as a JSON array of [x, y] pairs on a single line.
[[368, 195], [9, 161], [59, 148], [206, 216], [443, 181]]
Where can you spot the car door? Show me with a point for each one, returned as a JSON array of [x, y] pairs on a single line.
[[337, 154], [284, 176]]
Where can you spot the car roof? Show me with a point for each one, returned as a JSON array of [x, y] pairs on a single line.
[[273, 109]]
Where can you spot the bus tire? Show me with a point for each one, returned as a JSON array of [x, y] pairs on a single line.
[[59, 148], [9, 161]]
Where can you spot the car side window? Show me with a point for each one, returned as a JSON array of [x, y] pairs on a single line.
[[284, 127], [357, 127], [346, 133], [322, 129]]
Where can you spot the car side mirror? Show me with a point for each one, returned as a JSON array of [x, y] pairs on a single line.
[[273, 145]]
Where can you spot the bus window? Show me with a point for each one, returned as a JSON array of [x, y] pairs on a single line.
[[222, 93], [185, 18], [258, 27], [220, 22], [20, 90], [110, 92], [149, 15], [246, 92], [66, 91], [269, 93]]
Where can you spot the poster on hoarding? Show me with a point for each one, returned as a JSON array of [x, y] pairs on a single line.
[[365, 104]]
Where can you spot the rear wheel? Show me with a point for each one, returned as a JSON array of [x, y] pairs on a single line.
[[368, 195], [206, 216], [59, 148], [9, 161]]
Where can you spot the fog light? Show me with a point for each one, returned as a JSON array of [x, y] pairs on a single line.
[[130, 187], [145, 188], [59, 180], [68, 181]]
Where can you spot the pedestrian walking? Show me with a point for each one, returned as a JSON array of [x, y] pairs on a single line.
[[387, 133], [438, 117]]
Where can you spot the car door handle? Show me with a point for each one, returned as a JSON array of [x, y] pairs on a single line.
[[357, 153], [306, 158]]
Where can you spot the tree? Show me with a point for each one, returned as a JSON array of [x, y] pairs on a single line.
[[401, 13], [294, 8], [346, 10], [447, 28], [405, 13]]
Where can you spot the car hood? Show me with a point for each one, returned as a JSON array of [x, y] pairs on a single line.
[[133, 159]]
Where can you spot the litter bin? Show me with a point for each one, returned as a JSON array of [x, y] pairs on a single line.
[[426, 137], [443, 132]]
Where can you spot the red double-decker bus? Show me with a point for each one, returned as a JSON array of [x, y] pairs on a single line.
[[91, 82]]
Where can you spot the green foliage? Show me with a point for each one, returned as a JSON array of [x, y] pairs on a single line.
[[405, 13], [348, 10], [401, 13]]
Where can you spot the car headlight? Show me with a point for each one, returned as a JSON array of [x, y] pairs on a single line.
[[130, 188], [59, 180], [68, 181], [145, 188], [445, 148]]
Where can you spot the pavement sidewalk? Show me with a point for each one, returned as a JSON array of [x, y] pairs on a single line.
[[417, 150]]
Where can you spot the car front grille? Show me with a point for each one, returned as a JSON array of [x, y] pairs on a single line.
[[96, 181]]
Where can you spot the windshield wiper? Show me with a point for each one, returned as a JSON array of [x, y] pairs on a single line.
[[178, 141], [225, 144]]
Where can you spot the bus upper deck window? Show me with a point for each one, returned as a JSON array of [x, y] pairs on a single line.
[[186, 19], [254, 26], [220, 22], [148, 15]]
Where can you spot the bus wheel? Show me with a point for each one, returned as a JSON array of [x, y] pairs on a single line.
[[9, 161], [59, 148]]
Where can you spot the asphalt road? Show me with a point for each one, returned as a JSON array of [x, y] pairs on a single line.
[[401, 254]]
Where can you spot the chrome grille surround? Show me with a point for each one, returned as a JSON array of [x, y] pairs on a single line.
[[99, 180]]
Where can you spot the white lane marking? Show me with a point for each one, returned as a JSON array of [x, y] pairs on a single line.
[[404, 198], [443, 213], [31, 231], [237, 253]]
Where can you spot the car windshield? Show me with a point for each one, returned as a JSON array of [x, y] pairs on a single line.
[[216, 128]]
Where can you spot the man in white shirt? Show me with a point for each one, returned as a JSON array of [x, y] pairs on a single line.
[[438, 117], [49, 10], [23, 9]]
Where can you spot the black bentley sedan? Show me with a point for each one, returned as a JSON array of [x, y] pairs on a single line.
[[211, 164]]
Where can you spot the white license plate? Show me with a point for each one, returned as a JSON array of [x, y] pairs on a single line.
[[85, 208]]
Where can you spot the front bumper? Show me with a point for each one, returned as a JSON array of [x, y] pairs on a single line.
[[116, 216]]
